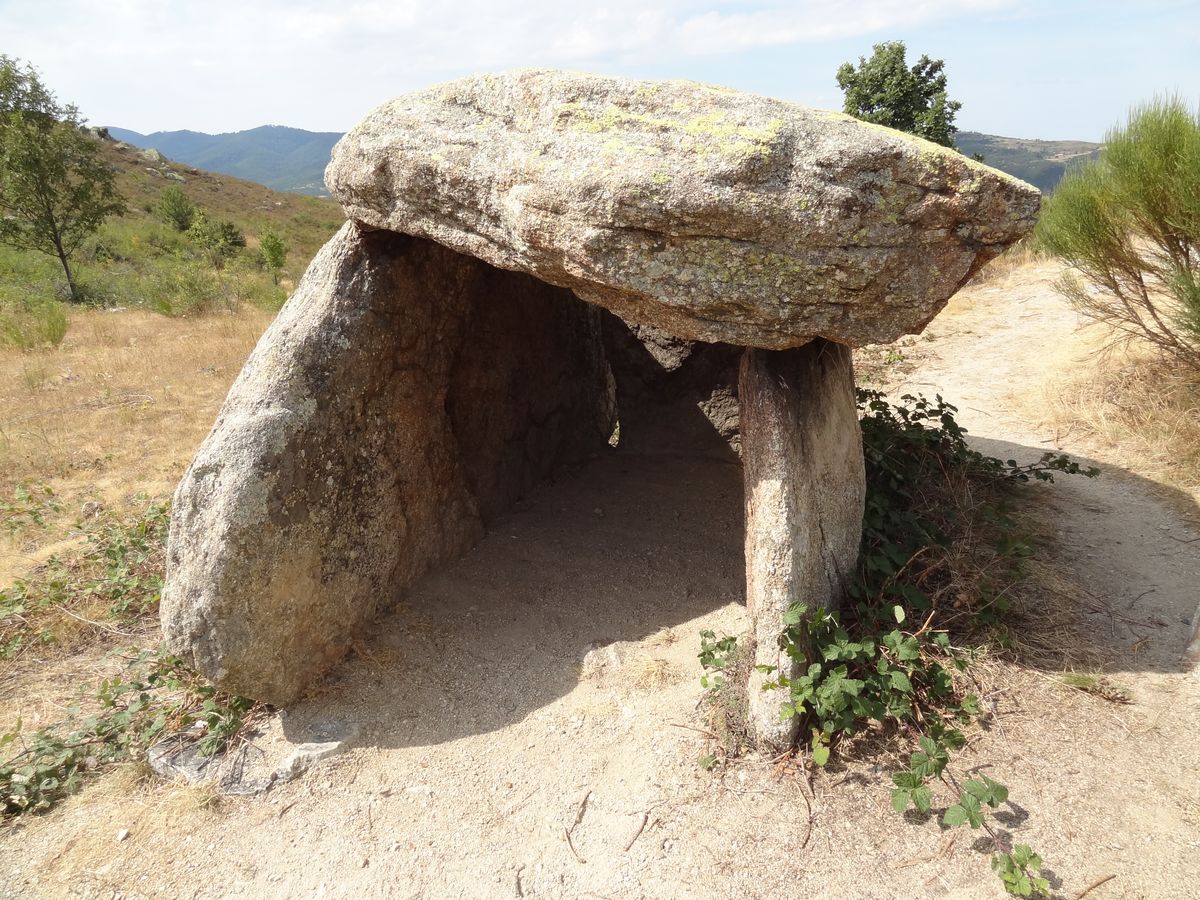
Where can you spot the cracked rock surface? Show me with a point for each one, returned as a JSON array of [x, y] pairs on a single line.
[[709, 213]]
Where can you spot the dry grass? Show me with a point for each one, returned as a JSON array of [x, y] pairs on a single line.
[[1015, 258], [126, 807], [1143, 409], [112, 416], [649, 673]]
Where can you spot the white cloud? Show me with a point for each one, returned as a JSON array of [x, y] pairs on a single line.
[[226, 64]]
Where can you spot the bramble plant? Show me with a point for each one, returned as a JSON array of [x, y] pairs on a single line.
[[121, 566], [29, 506], [715, 656], [889, 658], [154, 696]]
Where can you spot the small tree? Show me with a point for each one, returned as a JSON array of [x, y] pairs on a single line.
[[218, 238], [274, 251], [55, 190], [1129, 224], [175, 208], [884, 90]]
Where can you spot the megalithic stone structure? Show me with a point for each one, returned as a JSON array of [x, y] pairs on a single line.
[[447, 349]]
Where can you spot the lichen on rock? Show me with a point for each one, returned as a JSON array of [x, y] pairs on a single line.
[[713, 214]]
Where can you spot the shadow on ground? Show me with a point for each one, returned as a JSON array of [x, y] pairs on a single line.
[[634, 543], [1130, 553], [637, 542]]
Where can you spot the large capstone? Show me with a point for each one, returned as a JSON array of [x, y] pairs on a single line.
[[711, 214]]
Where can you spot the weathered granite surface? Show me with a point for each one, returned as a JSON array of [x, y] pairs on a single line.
[[805, 490], [711, 214], [404, 395]]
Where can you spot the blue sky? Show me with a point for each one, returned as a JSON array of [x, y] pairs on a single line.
[[1055, 69]]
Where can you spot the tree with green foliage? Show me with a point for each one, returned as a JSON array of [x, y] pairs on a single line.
[[1129, 225], [55, 190], [886, 91], [218, 238], [175, 208], [274, 251]]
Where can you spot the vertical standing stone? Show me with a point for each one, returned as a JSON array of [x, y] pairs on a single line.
[[805, 489], [404, 396]]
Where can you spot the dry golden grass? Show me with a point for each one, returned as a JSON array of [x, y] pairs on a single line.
[[113, 415], [649, 673], [1016, 257], [1142, 408]]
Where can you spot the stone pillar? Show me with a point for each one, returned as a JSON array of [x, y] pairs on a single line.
[[805, 489], [404, 396]]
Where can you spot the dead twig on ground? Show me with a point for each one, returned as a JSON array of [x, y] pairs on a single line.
[[1095, 884], [638, 831], [693, 728], [574, 852]]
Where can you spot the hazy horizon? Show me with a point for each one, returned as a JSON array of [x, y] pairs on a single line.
[[1020, 69]]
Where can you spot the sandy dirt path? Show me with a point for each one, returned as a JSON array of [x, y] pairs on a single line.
[[525, 719]]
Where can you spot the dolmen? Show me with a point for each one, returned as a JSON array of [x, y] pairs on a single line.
[[460, 338]]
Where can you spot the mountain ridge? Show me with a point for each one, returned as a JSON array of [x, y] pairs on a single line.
[[276, 156], [293, 159]]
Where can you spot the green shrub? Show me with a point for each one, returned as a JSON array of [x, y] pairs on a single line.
[[1129, 223], [183, 290], [218, 239], [274, 252], [175, 208]]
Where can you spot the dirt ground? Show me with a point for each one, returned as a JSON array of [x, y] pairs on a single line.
[[526, 718]]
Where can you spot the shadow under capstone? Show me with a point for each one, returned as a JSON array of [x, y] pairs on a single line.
[[630, 544]]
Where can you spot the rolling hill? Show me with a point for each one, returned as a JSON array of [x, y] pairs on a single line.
[[284, 159], [1041, 163]]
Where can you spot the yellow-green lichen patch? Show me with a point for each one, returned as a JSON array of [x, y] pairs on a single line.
[[724, 261], [616, 145], [702, 134]]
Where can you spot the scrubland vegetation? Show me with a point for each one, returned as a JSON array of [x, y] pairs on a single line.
[[1128, 228], [143, 260]]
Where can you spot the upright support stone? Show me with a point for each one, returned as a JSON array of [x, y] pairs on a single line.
[[405, 395], [805, 489]]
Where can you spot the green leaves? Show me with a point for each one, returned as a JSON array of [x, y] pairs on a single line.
[[886, 91], [911, 788], [1129, 222], [55, 189], [130, 711], [965, 812], [1018, 872], [930, 760], [715, 655], [969, 808]]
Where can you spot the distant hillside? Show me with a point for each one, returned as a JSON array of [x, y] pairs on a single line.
[[284, 159], [305, 222], [138, 261], [292, 159], [1041, 163]]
